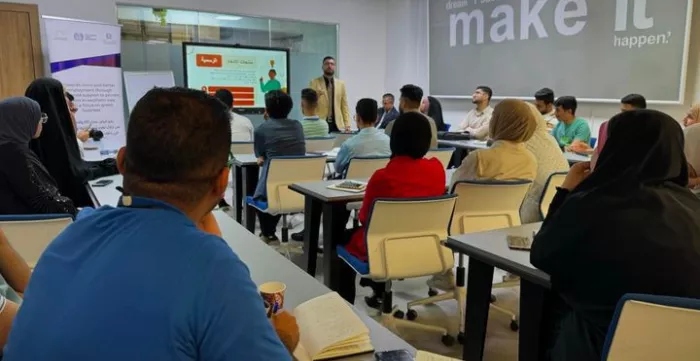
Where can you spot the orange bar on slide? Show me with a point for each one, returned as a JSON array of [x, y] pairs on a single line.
[[244, 95], [209, 60], [232, 89], [243, 102]]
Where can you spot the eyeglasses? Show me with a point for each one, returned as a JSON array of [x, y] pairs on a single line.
[[44, 118]]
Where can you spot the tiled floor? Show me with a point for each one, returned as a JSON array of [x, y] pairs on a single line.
[[501, 342]]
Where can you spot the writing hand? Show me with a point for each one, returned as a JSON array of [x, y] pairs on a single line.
[[287, 329]]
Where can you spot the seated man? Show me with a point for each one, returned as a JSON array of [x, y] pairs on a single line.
[[277, 136], [370, 141], [407, 175], [312, 124], [141, 281], [477, 120], [544, 101], [410, 101], [242, 129], [570, 128], [387, 112]]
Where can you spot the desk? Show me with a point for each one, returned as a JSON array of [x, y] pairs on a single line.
[[107, 195], [464, 145], [245, 173], [487, 250], [266, 264]]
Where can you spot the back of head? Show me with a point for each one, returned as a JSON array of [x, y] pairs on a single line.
[[512, 120], [636, 101], [310, 97], [625, 165], [19, 119], [411, 136], [545, 95], [434, 108], [567, 103], [225, 96], [412, 95], [177, 143], [366, 109], [278, 104]]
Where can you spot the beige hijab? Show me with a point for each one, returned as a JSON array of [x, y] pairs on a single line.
[[694, 113], [512, 120]]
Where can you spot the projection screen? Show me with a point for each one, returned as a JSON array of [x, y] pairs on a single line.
[[596, 50]]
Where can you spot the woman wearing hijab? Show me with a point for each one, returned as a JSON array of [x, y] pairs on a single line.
[[692, 143], [629, 226], [26, 187], [431, 107], [58, 147], [512, 124], [550, 160]]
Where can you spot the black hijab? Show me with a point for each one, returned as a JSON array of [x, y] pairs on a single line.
[[435, 112], [57, 147], [19, 119]]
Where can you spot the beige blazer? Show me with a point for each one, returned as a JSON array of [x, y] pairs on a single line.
[[342, 113]]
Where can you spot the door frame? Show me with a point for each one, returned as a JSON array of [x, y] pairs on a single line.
[[33, 11]]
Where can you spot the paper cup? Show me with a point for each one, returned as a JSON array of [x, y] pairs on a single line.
[[273, 293]]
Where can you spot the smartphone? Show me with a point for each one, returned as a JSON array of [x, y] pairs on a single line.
[[519, 243], [396, 355], [102, 183]]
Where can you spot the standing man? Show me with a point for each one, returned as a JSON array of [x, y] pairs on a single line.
[[332, 98], [478, 119], [544, 101], [387, 112]]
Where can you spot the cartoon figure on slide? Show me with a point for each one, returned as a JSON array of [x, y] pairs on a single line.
[[272, 84]]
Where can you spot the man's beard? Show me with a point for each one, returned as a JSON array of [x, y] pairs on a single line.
[[475, 101], [328, 73]]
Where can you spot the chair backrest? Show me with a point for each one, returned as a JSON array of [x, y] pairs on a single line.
[[651, 328], [284, 171], [319, 144], [444, 155], [364, 167], [242, 148], [485, 205], [29, 235], [340, 138], [404, 237], [550, 189]]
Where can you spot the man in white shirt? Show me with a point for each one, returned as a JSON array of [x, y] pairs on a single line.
[[241, 127], [544, 101], [477, 120]]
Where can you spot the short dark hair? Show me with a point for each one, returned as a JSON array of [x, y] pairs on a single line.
[[545, 95], [178, 141], [411, 135], [567, 103], [388, 95], [328, 58], [272, 71], [278, 104], [225, 96], [635, 100], [366, 109], [486, 90], [70, 96], [310, 97], [412, 92]]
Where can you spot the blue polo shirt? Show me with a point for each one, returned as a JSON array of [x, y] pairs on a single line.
[[141, 283]]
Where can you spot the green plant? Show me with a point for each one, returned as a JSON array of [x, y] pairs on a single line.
[[162, 15]]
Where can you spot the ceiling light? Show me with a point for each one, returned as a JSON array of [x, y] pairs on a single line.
[[228, 17]]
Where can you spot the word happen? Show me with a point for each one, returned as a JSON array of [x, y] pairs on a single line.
[[641, 41]]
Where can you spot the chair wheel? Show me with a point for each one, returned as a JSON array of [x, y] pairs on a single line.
[[460, 338], [432, 292], [448, 340], [411, 315], [398, 314], [493, 298], [514, 325]]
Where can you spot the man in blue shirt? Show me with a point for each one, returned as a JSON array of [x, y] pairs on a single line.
[[141, 281], [369, 141]]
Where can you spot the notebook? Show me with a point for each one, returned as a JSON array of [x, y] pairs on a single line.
[[427, 356], [329, 329]]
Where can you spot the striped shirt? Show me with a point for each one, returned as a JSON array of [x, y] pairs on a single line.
[[314, 127]]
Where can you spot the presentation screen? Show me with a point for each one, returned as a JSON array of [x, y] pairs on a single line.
[[248, 72], [596, 50]]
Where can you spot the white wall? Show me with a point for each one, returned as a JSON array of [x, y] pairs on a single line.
[[406, 30], [362, 30]]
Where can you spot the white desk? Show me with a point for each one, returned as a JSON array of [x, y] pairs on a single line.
[[480, 144], [107, 195], [266, 264]]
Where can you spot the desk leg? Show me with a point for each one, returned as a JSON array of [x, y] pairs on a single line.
[[333, 233], [532, 300], [237, 193], [250, 180], [479, 283], [312, 226]]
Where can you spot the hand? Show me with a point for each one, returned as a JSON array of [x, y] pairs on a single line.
[[261, 79], [348, 129], [208, 224], [693, 182], [83, 135], [287, 329], [576, 175], [580, 147], [260, 161]]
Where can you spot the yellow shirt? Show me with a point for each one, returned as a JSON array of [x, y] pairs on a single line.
[[504, 160]]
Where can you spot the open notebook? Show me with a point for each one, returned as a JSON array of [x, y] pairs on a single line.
[[329, 329]]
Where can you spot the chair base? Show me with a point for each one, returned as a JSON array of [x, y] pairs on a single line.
[[394, 323]]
